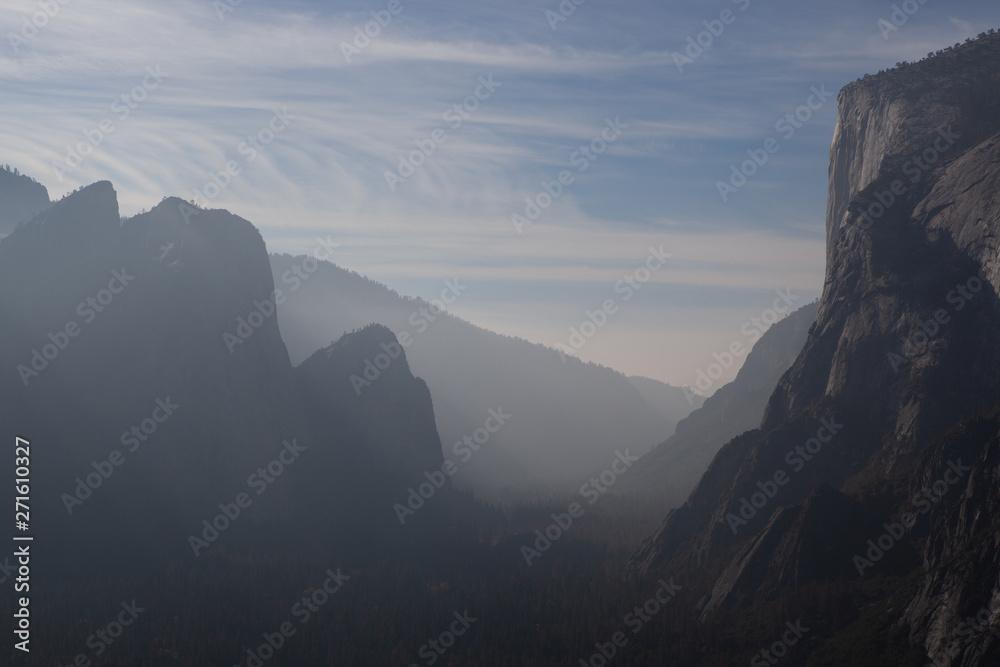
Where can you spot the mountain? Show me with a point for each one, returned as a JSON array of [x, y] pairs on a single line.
[[22, 198], [145, 364], [887, 422], [567, 417], [672, 469]]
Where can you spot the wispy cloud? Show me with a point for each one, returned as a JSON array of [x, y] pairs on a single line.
[[353, 120]]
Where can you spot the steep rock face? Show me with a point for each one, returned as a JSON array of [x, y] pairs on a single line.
[[954, 612], [914, 183], [799, 544], [903, 349], [22, 198], [673, 468]]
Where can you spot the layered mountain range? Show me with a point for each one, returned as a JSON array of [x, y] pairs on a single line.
[[183, 391], [876, 456], [568, 417]]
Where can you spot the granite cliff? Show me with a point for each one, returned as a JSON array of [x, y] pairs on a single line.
[[895, 391]]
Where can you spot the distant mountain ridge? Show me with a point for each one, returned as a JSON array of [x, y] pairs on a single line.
[[568, 418], [674, 467]]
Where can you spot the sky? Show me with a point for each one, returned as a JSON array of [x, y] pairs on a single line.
[[412, 132]]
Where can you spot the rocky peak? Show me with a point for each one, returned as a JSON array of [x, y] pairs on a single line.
[[361, 389]]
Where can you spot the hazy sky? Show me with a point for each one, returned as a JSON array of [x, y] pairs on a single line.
[[332, 110]]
